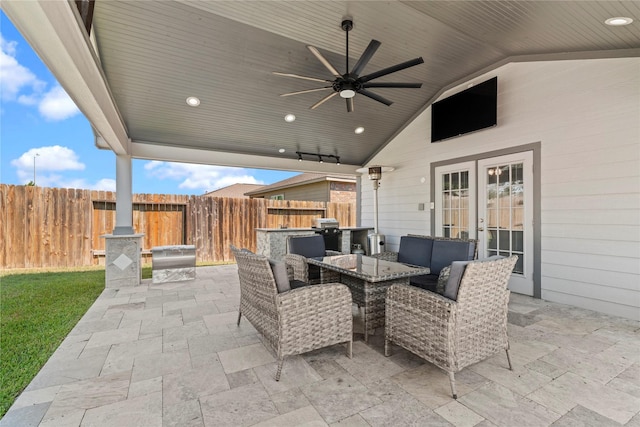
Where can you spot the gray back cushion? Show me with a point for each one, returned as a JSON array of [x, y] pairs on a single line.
[[307, 246], [447, 251], [279, 270], [415, 250], [455, 276]]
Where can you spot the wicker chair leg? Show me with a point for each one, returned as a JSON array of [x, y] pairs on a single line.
[[387, 348], [452, 380], [509, 360], [279, 371], [350, 349], [239, 316]]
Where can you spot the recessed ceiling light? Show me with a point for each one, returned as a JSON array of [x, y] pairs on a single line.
[[289, 118], [618, 21], [359, 130], [282, 150], [193, 101]]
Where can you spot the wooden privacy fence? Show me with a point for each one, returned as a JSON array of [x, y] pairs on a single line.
[[60, 227]]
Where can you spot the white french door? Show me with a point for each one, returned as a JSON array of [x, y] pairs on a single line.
[[502, 218], [456, 200]]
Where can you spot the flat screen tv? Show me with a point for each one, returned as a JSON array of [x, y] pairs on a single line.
[[468, 111]]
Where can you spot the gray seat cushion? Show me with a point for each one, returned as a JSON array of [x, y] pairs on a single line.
[[295, 284], [427, 281], [415, 251]]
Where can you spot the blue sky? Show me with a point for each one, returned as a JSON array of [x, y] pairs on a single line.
[[39, 121]]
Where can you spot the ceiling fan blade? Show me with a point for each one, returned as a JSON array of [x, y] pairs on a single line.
[[324, 61], [349, 105], [323, 100], [374, 96], [391, 69], [296, 76], [394, 85], [307, 91], [366, 57]]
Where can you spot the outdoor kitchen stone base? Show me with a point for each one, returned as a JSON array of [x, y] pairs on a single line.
[[123, 260]]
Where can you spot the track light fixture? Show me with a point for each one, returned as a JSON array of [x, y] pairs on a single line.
[[320, 157]]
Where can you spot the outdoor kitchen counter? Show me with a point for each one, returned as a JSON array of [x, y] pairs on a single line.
[[272, 242]]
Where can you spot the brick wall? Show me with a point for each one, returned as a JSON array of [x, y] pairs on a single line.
[[342, 192]]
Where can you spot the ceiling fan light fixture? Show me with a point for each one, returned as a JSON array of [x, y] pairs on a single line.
[[347, 93], [618, 21]]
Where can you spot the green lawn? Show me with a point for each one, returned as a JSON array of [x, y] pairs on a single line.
[[37, 311]]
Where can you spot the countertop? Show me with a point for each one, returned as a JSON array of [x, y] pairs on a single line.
[[276, 230]]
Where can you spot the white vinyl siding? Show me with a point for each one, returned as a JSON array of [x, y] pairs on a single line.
[[585, 114]]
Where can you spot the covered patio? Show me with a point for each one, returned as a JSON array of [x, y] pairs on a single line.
[[171, 355]]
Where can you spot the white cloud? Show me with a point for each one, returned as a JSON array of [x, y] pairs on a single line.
[[13, 76], [56, 105], [199, 177], [50, 163], [19, 84], [51, 158], [105, 184]]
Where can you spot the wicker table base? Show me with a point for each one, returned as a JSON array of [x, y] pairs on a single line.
[[368, 279], [370, 297]]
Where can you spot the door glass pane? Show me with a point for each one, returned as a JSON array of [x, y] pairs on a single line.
[[464, 179], [505, 212], [455, 204], [517, 244]]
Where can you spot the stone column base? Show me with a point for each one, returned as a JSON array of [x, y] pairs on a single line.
[[123, 260]]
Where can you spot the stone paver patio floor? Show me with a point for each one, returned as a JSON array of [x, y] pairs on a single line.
[[171, 355]]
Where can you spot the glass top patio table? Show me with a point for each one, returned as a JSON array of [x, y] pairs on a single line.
[[368, 268]]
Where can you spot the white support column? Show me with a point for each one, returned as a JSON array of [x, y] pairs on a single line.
[[123, 247], [124, 196]]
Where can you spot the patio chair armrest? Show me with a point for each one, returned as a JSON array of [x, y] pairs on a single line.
[[386, 256], [410, 301], [329, 252], [297, 268], [315, 314]]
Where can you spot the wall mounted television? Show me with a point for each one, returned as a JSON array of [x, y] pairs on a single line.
[[467, 111]]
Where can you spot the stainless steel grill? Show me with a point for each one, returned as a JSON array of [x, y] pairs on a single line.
[[329, 229], [325, 223]]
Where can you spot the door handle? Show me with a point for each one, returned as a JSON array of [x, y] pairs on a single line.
[[480, 229]]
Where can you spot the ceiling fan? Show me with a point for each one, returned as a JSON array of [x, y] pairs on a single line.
[[350, 83]]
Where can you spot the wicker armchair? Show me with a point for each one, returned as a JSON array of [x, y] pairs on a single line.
[[296, 321], [453, 334], [299, 248]]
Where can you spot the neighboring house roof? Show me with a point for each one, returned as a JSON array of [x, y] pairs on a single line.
[[234, 190], [302, 179]]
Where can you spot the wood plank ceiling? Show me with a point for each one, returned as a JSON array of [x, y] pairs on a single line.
[[156, 54]]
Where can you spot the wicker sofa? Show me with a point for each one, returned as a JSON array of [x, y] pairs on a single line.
[[456, 331], [433, 252], [292, 321]]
